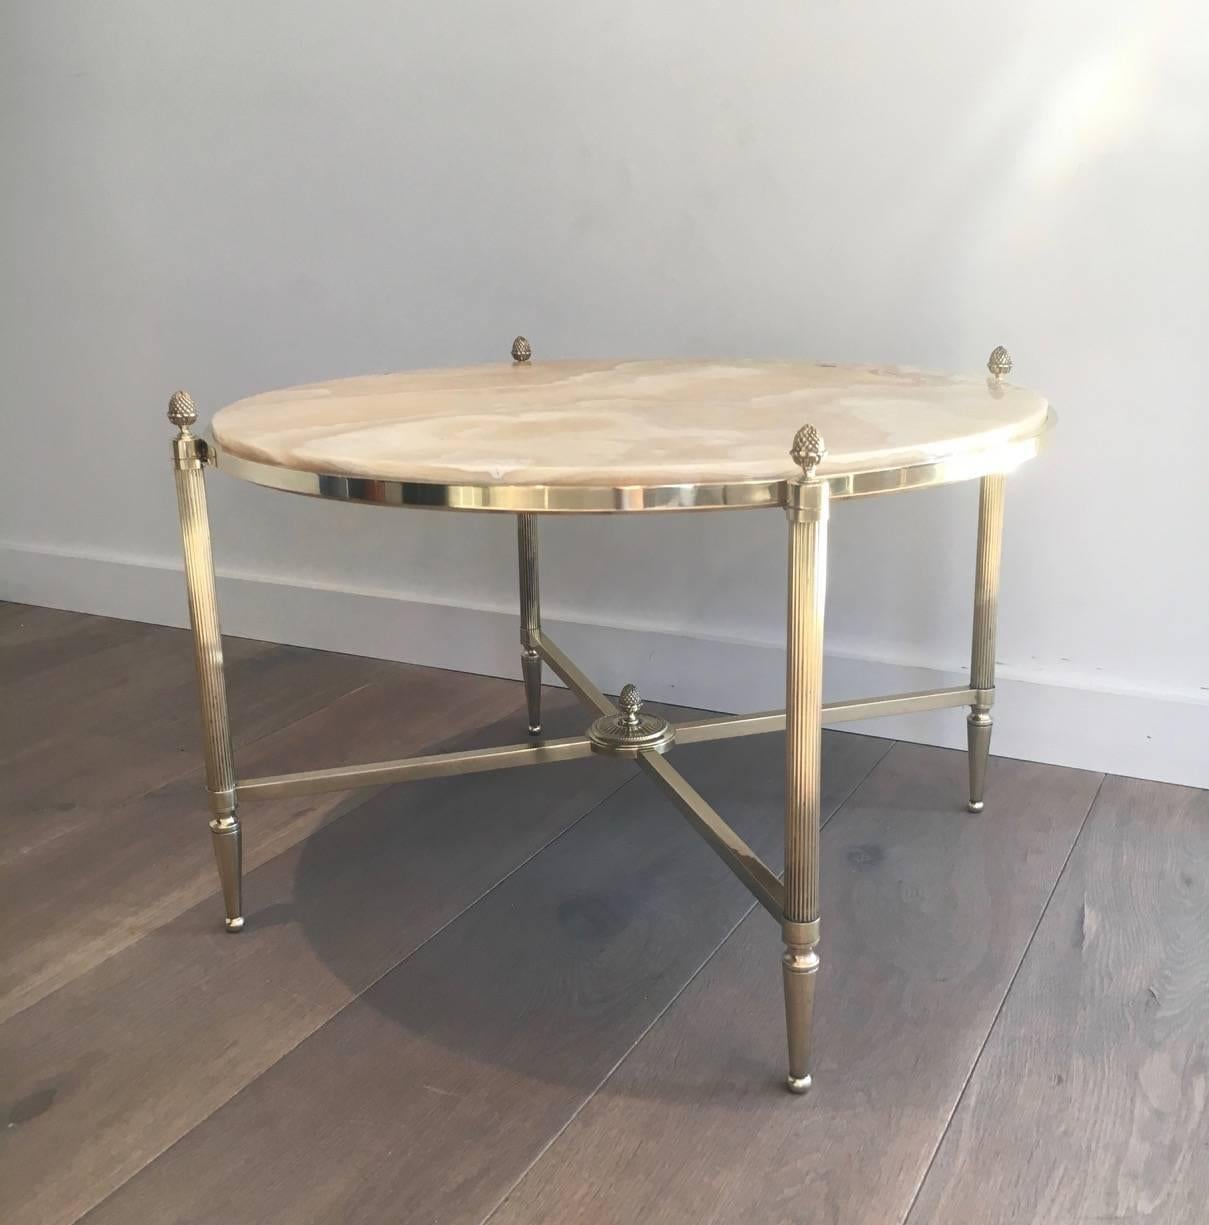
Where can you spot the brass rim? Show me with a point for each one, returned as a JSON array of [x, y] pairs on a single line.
[[607, 499]]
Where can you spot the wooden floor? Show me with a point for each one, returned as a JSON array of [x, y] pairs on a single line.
[[536, 996]]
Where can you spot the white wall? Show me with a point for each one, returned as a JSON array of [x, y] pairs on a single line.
[[234, 196]]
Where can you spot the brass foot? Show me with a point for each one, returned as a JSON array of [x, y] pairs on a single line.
[[799, 968], [531, 614], [978, 740], [531, 670], [228, 854]]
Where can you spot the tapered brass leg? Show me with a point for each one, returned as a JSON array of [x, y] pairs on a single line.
[[531, 619], [227, 837], [986, 608], [798, 969], [807, 509], [188, 457], [978, 749]]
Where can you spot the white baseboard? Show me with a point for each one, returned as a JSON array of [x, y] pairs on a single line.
[[1155, 736]]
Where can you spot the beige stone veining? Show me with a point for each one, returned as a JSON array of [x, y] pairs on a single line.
[[624, 423]]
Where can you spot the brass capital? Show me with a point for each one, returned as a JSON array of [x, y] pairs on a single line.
[[189, 452], [807, 501], [800, 935], [222, 804]]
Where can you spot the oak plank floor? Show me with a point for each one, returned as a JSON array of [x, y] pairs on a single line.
[[113, 725], [133, 1053], [1091, 1099], [428, 1096], [136, 865], [112, 685], [536, 996], [34, 640], [926, 914]]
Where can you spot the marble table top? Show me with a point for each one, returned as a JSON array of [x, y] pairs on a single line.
[[624, 423]]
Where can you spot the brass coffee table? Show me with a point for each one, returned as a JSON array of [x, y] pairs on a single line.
[[640, 437]]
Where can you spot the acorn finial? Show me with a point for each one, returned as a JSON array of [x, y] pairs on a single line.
[[808, 449], [182, 412], [1000, 362], [521, 352]]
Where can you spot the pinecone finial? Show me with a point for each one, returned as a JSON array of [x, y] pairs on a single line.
[[808, 449], [521, 351], [630, 703], [1000, 362], [182, 412]]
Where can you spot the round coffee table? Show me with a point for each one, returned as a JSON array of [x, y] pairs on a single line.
[[603, 437]]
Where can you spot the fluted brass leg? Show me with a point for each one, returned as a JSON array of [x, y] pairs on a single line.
[[982, 654], [807, 511], [188, 455], [531, 618]]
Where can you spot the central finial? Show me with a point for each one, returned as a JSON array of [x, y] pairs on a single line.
[[627, 732], [630, 703], [182, 412], [521, 352], [808, 449], [1000, 362]]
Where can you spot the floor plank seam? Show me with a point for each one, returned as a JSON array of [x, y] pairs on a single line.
[[368, 986], [604, 1080], [1003, 1001], [168, 782]]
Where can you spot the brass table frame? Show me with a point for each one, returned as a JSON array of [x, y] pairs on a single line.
[[794, 900]]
